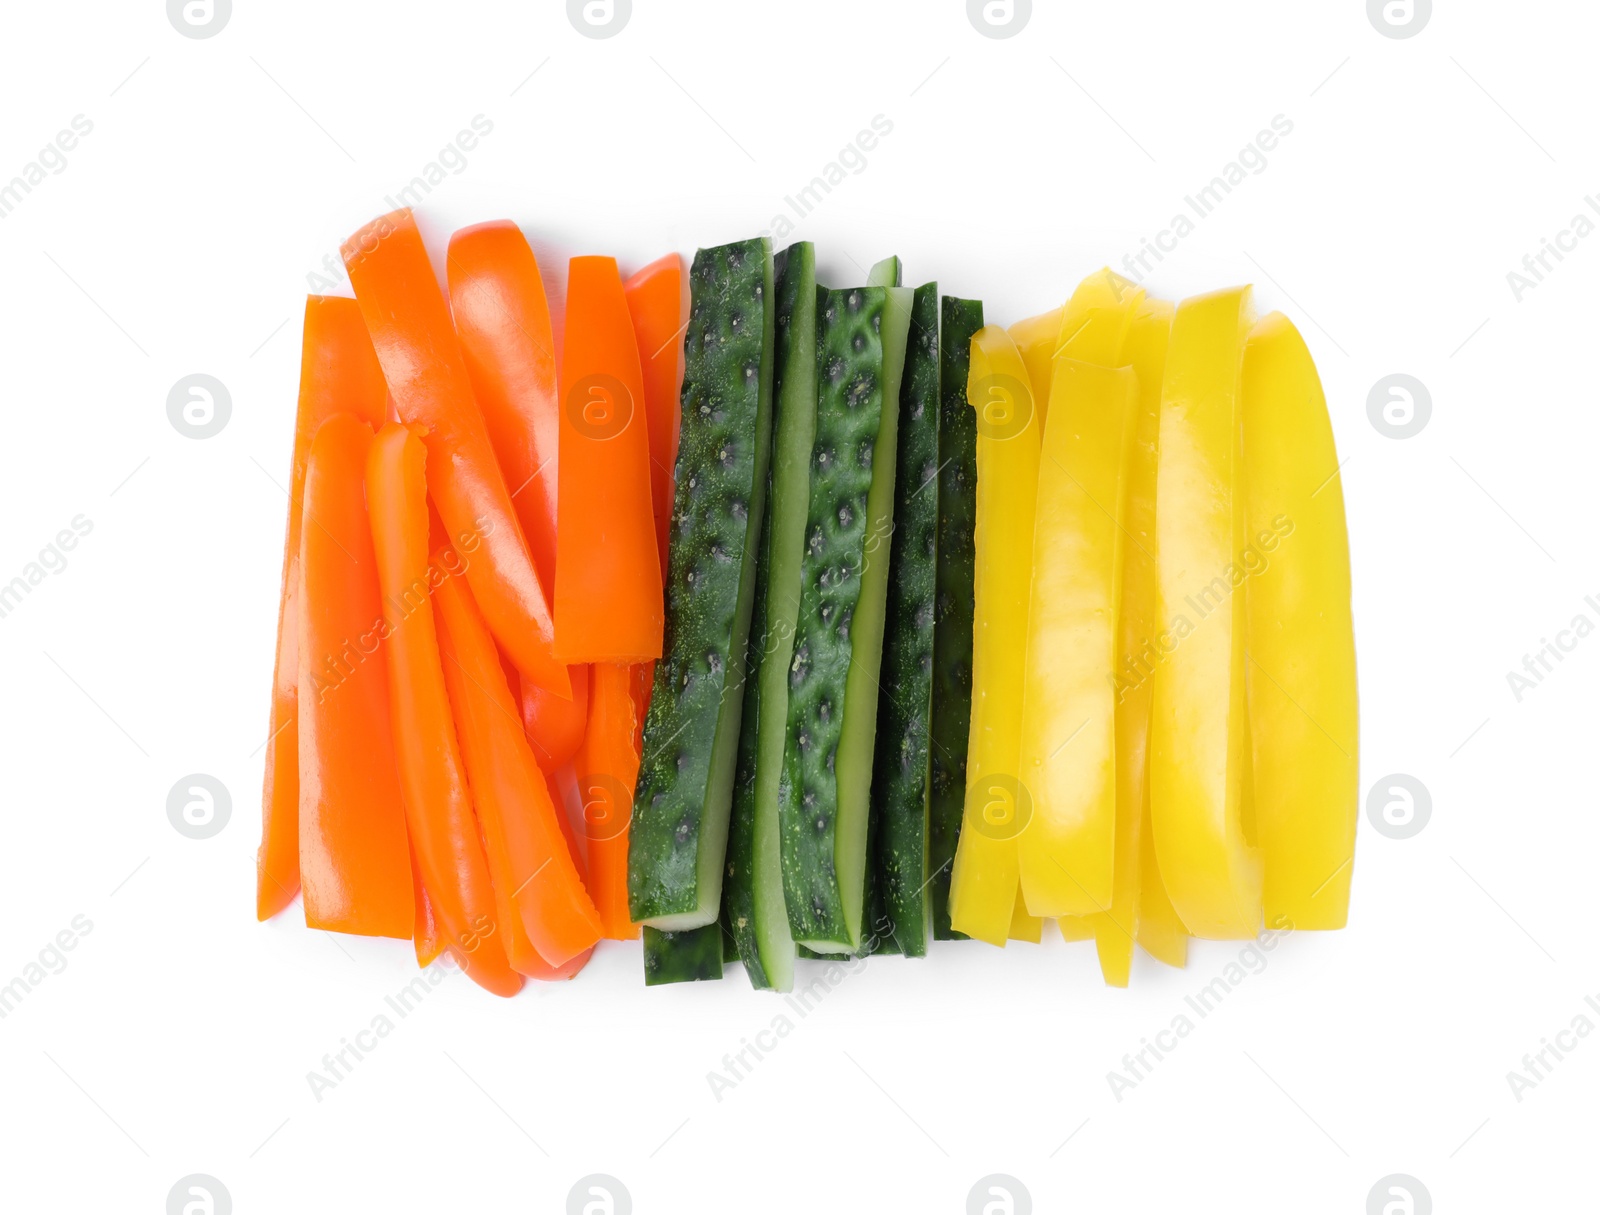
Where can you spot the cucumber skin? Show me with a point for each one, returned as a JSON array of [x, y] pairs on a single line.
[[678, 834], [952, 635], [849, 405], [764, 727], [682, 957], [900, 782], [738, 883]]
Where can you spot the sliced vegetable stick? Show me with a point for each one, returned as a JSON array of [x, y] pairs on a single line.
[[983, 884], [355, 865], [1301, 656], [1036, 339], [1025, 927], [429, 945], [502, 315], [1068, 721], [433, 784], [655, 302], [555, 726], [338, 371], [427, 375], [608, 571], [1139, 901], [607, 768], [1198, 759], [538, 892]]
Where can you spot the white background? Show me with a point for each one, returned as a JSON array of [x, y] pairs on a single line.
[[179, 239]]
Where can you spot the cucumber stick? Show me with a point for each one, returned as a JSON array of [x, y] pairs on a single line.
[[754, 904], [679, 832], [682, 957], [825, 790], [900, 778], [952, 630]]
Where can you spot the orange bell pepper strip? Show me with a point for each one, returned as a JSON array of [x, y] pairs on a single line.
[[502, 315], [355, 863], [607, 768], [433, 783], [427, 375], [338, 371], [538, 893], [429, 944], [503, 318], [554, 726], [655, 302], [608, 571]]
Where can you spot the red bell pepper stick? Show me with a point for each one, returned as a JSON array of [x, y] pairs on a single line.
[[656, 304], [338, 371], [607, 768], [433, 783], [608, 574], [355, 863], [427, 374], [538, 893]]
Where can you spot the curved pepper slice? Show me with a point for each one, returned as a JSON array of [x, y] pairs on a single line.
[[555, 726], [1199, 759], [338, 372], [355, 864], [1139, 907], [655, 302], [607, 768], [1139, 902], [1301, 651], [1036, 338], [1069, 706], [538, 894], [608, 572], [433, 784], [427, 374], [1068, 760], [503, 317], [983, 882]]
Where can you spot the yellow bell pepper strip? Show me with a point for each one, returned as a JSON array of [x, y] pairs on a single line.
[[1204, 841], [1139, 901], [1069, 760], [1036, 339], [1139, 908], [983, 882], [1076, 927], [1025, 927], [1301, 666], [1068, 735]]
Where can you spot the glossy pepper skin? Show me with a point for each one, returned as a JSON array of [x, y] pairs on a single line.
[[608, 572], [443, 826], [355, 863], [983, 883], [1301, 664], [607, 768], [338, 372], [538, 894], [428, 379], [1200, 759], [1139, 899], [502, 315], [656, 304], [1069, 702]]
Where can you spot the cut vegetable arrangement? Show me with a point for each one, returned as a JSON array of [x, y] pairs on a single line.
[[777, 619]]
